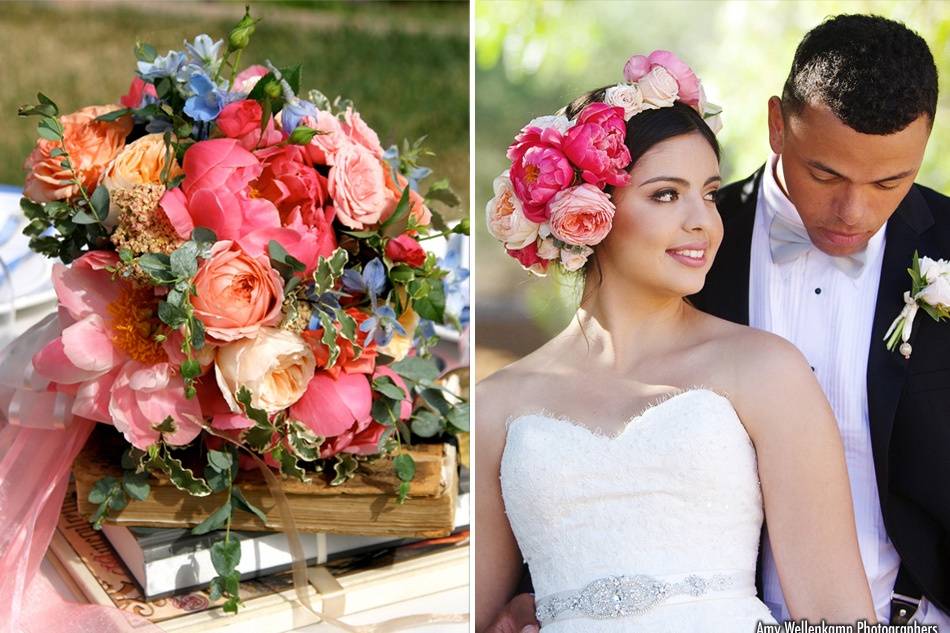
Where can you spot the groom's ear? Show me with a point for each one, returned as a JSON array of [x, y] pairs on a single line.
[[776, 125]]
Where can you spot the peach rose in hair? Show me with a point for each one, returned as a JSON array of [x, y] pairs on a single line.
[[581, 215]]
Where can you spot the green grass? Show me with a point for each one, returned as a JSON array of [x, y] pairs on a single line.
[[405, 80]]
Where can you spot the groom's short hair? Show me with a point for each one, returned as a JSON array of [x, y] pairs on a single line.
[[875, 74]]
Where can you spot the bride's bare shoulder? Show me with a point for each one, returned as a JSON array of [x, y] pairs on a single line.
[[513, 387]]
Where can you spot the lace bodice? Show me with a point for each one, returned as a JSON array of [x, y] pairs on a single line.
[[675, 492]]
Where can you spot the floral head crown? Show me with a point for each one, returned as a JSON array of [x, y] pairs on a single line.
[[550, 206]]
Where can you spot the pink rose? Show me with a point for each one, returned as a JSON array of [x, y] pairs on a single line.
[[529, 259], [596, 145], [248, 78], [324, 146], [241, 120], [333, 407], [137, 91], [237, 294], [406, 250], [539, 169], [361, 133], [638, 66], [358, 187], [216, 192], [581, 215]]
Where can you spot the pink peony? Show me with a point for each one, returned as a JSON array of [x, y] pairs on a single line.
[[324, 146], [236, 293], [137, 92], [539, 169], [107, 355], [361, 133], [638, 66], [596, 145], [336, 408], [358, 187], [241, 120], [303, 243], [216, 192], [581, 215]]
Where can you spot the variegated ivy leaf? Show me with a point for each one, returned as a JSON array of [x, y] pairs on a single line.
[[348, 331], [345, 468], [303, 442], [329, 338], [183, 478], [329, 270], [288, 464]]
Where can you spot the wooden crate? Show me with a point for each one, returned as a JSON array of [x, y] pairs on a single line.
[[366, 504]]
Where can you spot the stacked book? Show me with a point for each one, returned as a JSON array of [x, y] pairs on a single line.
[[162, 574]]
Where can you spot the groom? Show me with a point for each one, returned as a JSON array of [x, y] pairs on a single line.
[[816, 249]]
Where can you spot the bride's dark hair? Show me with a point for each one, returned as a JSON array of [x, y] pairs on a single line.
[[644, 130]]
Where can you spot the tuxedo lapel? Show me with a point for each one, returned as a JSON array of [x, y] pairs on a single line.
[[726, 292], [887, 370]]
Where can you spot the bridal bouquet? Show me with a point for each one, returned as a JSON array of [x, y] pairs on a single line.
[[243, 278]]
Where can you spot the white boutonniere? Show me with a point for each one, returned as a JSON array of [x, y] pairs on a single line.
[[930, 292]]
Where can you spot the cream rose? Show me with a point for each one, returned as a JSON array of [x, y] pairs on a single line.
[[547, 249], [574, 258], [626, 96], [139, 163], [505, 216], [276, 366], [558, 121], [659, 89], [932, 269]]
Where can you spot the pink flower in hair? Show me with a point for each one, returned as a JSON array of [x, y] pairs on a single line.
[[638, 66], [539, 169], [596, 145], [529, 258]]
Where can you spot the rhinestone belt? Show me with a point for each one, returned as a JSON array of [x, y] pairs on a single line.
[[620, 596]]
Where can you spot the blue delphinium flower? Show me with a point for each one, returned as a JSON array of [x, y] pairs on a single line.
[[294, 110], [372, 281], [205, 52], [382, 325], [207, 101], [456, 283], [162, 66]]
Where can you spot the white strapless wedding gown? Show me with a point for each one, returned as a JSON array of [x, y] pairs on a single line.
[[660, 523]]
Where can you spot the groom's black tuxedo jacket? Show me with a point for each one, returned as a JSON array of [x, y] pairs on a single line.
[[908, 400]]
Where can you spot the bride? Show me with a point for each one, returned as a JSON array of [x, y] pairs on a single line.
[[630, 460]]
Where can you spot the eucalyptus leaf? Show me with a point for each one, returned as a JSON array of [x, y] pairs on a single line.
[[136, 485], [426, 423], [386, 386], [416, 369], [171, 315], [225, 556], [220, 460], [459, 417], [184, 260], [215, 521], [241, 503], [405, 467]]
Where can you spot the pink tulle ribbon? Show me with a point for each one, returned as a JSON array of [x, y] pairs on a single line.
[[39, 439]]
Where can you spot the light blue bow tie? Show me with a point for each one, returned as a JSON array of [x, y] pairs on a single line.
[[789, 241]]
